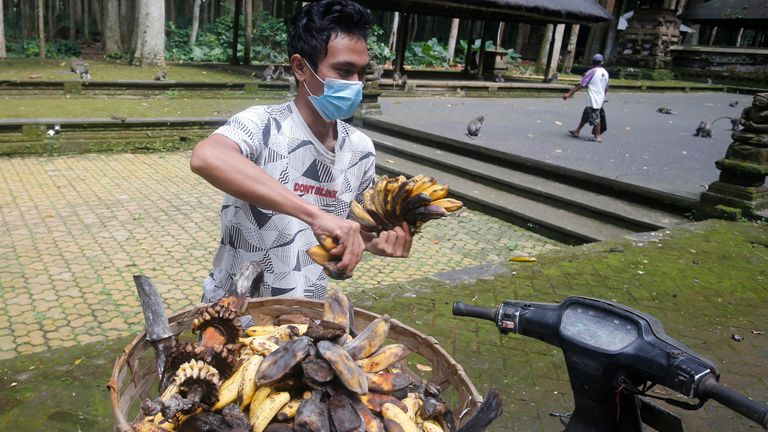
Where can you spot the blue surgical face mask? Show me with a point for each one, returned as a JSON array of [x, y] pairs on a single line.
[[339, 100]]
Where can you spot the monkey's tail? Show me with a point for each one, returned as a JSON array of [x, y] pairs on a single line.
[[719, 118]]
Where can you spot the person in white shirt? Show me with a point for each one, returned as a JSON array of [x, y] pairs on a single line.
[[291, 171], [595, 81]]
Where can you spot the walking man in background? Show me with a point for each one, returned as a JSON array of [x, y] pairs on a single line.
[[595, 81]]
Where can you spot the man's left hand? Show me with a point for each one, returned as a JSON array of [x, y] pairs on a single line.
[[394, 243]]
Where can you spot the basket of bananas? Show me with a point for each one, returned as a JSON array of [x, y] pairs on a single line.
[[389, 203], [306, 365]]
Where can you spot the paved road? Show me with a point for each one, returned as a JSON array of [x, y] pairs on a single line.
[[641, 146]]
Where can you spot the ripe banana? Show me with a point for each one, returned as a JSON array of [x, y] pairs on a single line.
[[259, 345], [375, 401], [437, 191], [248, 383], [425, 213], [371, 421], [392, 412], [414, 403], [346, 370], [230, 389], [319, 254], [280, 362], [431, 426], [384, 358], [414, 202], [422, 184], [361, 216], [370, 339], [387, 382], [336, 308], [449, 204], [403, 193], [267, 410], [289, 410]]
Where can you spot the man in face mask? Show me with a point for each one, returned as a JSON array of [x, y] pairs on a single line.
[[291, 171]]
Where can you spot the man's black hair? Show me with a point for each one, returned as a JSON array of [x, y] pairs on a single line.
[[314, 25]]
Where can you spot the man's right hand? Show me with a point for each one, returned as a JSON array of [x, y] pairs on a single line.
[[346, 233]]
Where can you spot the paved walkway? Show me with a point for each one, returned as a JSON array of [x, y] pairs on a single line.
[[641, 146], [74, 229]]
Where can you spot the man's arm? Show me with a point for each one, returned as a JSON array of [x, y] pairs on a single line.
[[571, 92], [218, 160]]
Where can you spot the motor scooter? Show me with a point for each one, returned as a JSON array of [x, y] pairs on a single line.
[[614, 356]]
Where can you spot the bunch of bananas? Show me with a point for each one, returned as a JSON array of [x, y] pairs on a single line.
[[392, 201], [304, 374], [387, 204]]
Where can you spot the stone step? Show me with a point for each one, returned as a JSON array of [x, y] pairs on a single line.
[[553, 222], [553, 192]]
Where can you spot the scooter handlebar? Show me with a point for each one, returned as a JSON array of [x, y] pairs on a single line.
[[463, 309], [709, 388]]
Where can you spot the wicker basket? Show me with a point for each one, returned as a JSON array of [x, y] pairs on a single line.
[[134, 376]]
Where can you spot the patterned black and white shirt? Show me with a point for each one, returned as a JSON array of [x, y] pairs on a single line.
[[278, 140]]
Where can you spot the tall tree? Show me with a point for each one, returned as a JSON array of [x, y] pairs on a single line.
[[111, 41], [72, 25], [2, 32], [28, 19], [452, 37], [248, 32], [97, 16], [150, 34], [195, 22], [41, 27], [126, 23], [86, 20]]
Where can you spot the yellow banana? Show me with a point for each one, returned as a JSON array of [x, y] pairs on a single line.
[[523, 259], [260, 330], [248, 383], [327, 242], [267, 410], [449, 204], [383, 358], [289, 410], [414, 403], [319, 254], [395, 414], [230, 387], [422, 184], [431, 426], [437, 191], [370, 339], [258, 398], [259, 345], [361, 216]]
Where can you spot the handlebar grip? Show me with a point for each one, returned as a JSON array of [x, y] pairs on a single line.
[[709, 388], [462, 309]]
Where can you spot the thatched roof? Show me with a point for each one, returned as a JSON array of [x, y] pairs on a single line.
[[536, 11], [745, 13]]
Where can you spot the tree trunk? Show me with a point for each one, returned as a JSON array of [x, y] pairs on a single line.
[[127, 23], [236, 31], [2, 32], [452, 37], [150, 35], [97, 16], [28, 19], [546, 40], [195, 22], [41, 27], [570, 50], [111, 40], [71, 14], [86, 20], [51, 9], [248, 32], [393, 34], [172, 10]]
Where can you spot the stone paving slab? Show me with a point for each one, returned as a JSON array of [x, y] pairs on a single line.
[[74, 229], [641, 147]]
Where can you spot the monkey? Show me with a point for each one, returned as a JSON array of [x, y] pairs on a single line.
[[499, 78], [665, 110], [80, 67], [85, 74], [395, 79], [473, 127], [733, 104], [704, 130], [267, 74], [735, 122], [279, 73], [161, 75]]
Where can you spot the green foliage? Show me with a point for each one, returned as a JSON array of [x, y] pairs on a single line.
[[214, 42], [427, 54], [30, 48], [461, 51], [378, 50]]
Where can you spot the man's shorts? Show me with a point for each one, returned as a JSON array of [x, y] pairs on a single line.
[[591, 116]]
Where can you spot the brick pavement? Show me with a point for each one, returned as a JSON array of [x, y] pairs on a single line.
[[74, 229]]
